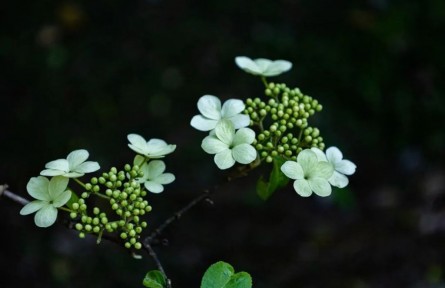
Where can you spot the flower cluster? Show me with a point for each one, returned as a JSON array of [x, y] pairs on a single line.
[[124, 191], [54, 193], [315, 171], [224, 140]]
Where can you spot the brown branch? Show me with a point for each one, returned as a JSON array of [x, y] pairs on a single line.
[[152, 253]]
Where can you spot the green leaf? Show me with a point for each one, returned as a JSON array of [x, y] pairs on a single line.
[[240, 280], [217, 275], [276, 180], [154, 279], [222, 275], [74, 199]]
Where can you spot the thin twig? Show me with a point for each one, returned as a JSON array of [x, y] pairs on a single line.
[[152, 253], [158, 231], [14, 197]]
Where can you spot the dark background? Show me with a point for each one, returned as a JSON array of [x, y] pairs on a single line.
[[84, 74]]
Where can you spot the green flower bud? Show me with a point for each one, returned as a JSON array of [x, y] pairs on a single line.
[[88, 227], [84, 195], [102, 180], [78, 226], [73, 215], [124, 235], [96, 229], [144, 224], [75, 206], [88, 186], [96, 188], [94, 180], [127, 245], [81, 235]]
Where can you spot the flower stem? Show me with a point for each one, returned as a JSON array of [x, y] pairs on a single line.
[[264, 81], [79, 182]]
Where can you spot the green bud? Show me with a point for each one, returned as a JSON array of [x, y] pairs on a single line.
[[84, 195], [94, 180], [75, 206], [148, 208], [96, 229], [96, 188], [88, 227], [78, 226], [88, 186], [73, 215], [269, 159], [124, 235], [81, 235], [96, 221], [268, 92], [102, 180], [144, 224], [83, 207]]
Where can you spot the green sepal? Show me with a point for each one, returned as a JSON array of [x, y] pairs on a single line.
[[277, 180], [74, 199], [222, 275], [154, 279]]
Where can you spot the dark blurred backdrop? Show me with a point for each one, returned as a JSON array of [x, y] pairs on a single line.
[[84, 74]]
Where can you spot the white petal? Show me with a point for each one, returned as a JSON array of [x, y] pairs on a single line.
[[51, 172], [154, 169], [165, 178], [138, 149], [203, 124], [32, 207], [247, 65], [308, 160], [77, 157], [244, 153], [137, 141], [154, 187], [321, 169], [37, 187], [263, 64], [277, 67], [73, 175], [292, 170], [158, 147], [320, 154], [334, 155], [213, 145], [87, 167], [210, 107], [225, 131], [320, 186], [224, 159], [61, 164], [46, 216], [240, 120], [302, 188], [232, 107], [244, 135], [62, 199], [345, 167], [339, 180], [57, 185]]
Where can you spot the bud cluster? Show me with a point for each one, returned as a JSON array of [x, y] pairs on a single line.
[[282, 121], [125, 196]]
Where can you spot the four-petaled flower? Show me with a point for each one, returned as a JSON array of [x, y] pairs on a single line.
[[50, 195], [341, 166], [230, 146], [74, 166], [154, 176], [309, 174], [212, 113], [263, 67], [154, 148]]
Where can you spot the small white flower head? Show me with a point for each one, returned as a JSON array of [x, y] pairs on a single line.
[[154, 176], [310, 175], [74, 166], [341, 166], [154, 148], [212, 113], [50, 195], [229, 146], [263, 67]]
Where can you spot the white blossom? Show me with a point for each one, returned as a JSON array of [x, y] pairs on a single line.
[[263, 67], [74, 166]]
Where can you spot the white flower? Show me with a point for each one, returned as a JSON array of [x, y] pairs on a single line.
[[75, 165], [263, 67], [341, 166], [309, 174], [230, 146], [154, 176], [154, 148], [50, 195], [212, 113]]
